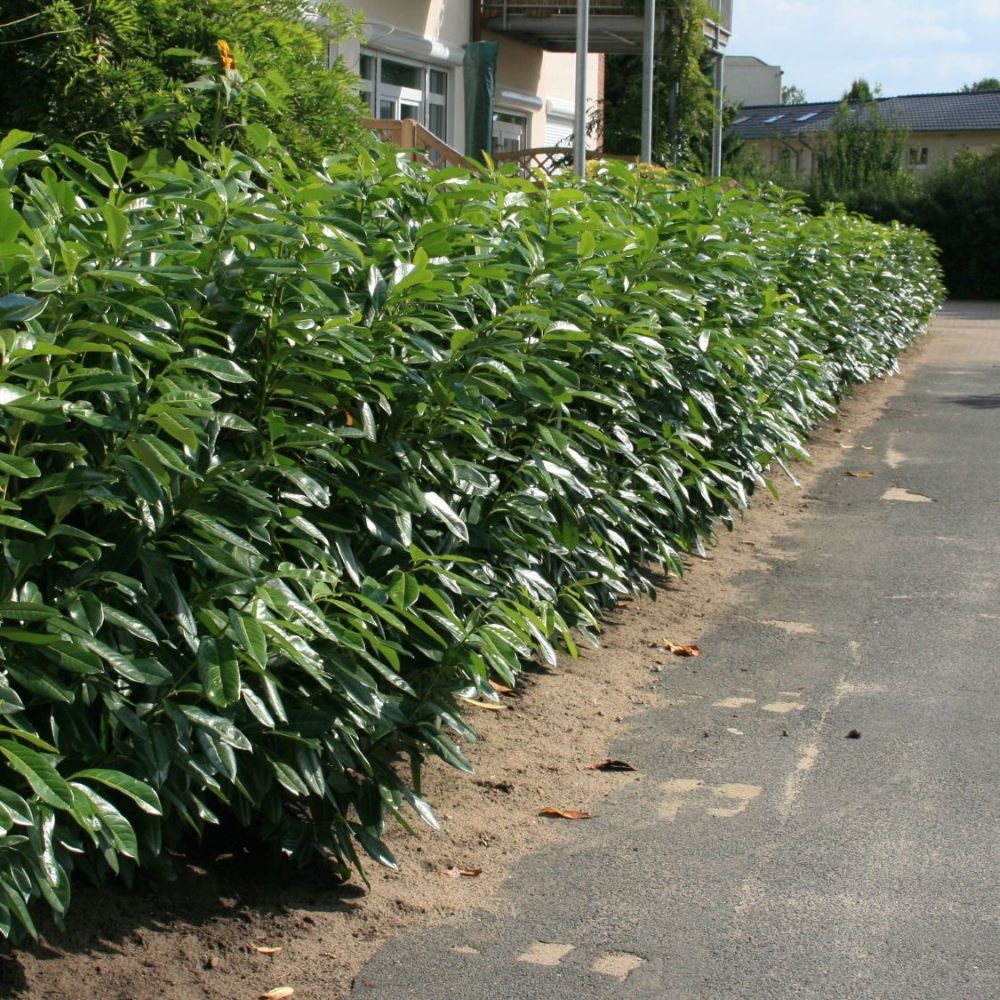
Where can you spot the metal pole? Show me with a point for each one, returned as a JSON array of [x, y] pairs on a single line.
[[648, 65], [717, 126], [582, 45]]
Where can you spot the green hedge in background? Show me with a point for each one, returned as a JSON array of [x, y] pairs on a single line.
[[289, 460]]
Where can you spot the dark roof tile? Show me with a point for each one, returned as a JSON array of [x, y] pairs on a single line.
[[915, 112]]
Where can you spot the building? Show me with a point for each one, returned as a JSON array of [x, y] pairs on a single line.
[[410, 65], [411, 61], [751, 81], [937, 126]]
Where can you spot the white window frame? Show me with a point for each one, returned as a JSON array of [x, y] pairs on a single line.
[[374, 92], [512, 127]]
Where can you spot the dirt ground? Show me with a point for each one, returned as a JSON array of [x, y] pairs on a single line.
[[237, 926]]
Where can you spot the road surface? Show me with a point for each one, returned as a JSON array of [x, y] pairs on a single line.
[[819, 814]]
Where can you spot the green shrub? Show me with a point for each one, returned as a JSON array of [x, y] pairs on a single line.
[[137, 74], [960, 208], [290, 461]]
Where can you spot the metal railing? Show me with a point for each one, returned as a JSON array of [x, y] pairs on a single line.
[[552, 8], [720, 11]]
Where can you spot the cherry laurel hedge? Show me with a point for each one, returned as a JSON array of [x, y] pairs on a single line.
[[292, 460]]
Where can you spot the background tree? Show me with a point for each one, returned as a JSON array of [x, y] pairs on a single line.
[[982, 86], [861, 90], [861, 159], [683, 97], [141, 73], [793, 95]]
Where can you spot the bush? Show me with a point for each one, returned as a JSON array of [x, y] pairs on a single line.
[[292, 461], [138, 74], [960, 208]]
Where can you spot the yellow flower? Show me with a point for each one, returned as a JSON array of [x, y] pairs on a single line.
[[225, 55]]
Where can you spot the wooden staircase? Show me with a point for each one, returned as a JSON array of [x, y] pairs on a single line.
[[424, 145]]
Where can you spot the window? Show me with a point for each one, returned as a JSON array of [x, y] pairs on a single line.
[[807, 116], [773, 118], [509, 132], [918, 156], [397, 88]]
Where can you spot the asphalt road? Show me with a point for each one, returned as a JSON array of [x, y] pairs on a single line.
[[777, 856]]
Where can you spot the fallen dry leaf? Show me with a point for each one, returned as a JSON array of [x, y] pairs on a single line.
[[611, 765], [457, 871], [278, 993], [501, 688], [491, 706], [865, 474], [679, 650], [564, 813], [265, 949]]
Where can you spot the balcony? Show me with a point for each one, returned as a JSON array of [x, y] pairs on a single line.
[[615, 25]]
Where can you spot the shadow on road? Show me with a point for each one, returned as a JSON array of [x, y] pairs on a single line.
[[991, 402]]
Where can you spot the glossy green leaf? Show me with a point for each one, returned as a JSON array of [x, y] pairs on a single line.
[[39, 771], [138, 791]]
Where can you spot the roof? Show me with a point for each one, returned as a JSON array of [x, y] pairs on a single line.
[[915, 112]]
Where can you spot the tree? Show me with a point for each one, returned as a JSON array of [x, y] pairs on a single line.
[[982, 86], [861, 158], [861, 90], [137, 74], [793, 95], [683, 95]]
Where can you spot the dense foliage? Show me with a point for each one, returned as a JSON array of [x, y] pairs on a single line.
[[145, 73], [291, 461], [959, 206]]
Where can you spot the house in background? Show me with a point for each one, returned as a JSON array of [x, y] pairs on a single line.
[[788, 136], [410, 65], [411, 61], [749, 80]]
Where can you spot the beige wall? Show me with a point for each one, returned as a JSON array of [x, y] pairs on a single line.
[[943, 146], [444, 20], [747, 80]]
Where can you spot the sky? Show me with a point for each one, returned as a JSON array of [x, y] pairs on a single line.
[[906, 46]]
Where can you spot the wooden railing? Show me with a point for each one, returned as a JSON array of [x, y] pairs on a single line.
[[411, 135]]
